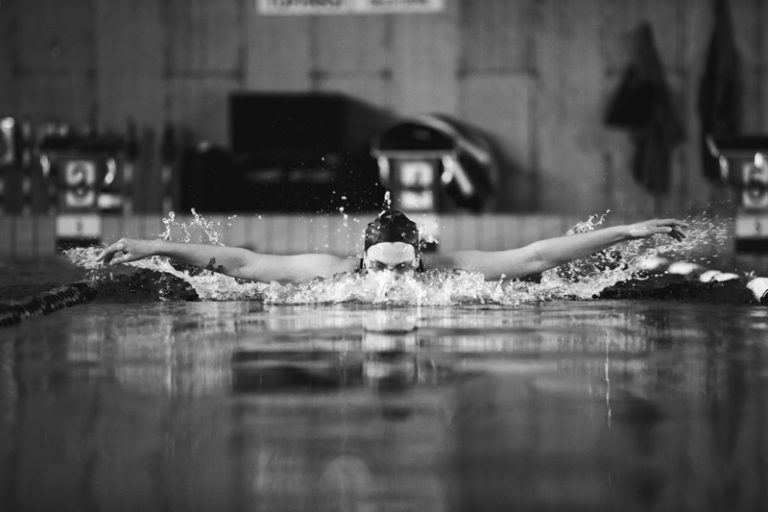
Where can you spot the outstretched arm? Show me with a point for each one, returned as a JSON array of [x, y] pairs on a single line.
[[232, 261], [550, 253]]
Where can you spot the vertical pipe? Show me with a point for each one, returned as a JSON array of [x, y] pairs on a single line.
[[129, 166], [26, 150], [8, 153], [168, 157]]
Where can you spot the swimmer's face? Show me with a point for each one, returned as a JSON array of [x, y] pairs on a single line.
[[394, 256]]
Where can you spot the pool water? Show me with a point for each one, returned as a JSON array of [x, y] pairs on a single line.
[[556, 405]]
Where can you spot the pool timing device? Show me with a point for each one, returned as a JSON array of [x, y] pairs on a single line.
[[744, 166]]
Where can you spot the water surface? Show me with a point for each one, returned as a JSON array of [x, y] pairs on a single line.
[[557, 405]]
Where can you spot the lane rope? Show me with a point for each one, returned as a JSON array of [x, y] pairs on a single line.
[[43, 303]]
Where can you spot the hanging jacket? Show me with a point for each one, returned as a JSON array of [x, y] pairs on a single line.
[[720, 89], [643, 106]]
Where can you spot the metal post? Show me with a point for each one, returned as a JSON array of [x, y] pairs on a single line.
[[8, 156], [168, 150]]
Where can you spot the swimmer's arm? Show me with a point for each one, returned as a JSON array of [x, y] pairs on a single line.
[[232, 261], [546, 254]]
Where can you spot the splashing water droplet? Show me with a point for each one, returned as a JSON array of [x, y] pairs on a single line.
[[387, 202]]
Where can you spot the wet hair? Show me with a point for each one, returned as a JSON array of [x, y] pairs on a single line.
[[392, 226]]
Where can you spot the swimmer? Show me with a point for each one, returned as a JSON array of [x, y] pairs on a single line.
[[391, 245]]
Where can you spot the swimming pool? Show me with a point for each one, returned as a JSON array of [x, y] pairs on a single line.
[[161, 389], [558, 405]]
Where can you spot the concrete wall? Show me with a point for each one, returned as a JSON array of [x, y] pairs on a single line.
[[535, 74]]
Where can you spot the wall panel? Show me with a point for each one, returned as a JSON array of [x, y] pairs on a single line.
[[205, 35], [61, 96], [139, 94], [8, 51], [279, 55], [371, 88], [351, 43], [568, 100], [425, 62], [762, 78], [56, 35], [496, 35], [200, 106], [55, 62], [621, 191], [500, 104]]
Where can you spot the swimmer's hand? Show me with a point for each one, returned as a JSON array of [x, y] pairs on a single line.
[[125, 250], [672, 227]]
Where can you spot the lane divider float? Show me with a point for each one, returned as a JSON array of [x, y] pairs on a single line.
[[12, 313], [695, 272]]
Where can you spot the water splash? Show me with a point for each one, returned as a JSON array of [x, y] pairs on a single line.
[[580, 279], [587, 277], [207, 231], [387, 203]]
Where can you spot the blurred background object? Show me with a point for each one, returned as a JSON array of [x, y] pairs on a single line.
[[244, 107], [436, 164]]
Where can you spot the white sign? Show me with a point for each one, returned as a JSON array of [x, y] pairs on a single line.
[[751, 226], [290, 7], [78, 226]]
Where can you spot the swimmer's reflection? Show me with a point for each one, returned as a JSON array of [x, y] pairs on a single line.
[[388, 367], [346, 421], [386, 361]]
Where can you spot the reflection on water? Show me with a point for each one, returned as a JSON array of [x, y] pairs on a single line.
[[240, 406]]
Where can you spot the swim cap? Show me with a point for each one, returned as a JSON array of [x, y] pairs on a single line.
[[392, 226]]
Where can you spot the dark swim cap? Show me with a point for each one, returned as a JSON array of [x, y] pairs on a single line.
[[392, 226]]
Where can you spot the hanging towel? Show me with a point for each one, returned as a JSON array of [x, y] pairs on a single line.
[[720, 89], [643, 106]]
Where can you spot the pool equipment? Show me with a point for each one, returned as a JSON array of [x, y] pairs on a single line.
[[433, 163], [91, 175], [294, 152], [743, 164], [16, 171]]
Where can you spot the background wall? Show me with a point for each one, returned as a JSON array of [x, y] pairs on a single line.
[[536, 74]]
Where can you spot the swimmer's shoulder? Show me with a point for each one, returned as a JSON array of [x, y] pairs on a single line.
[[346, 265], [306, 267]]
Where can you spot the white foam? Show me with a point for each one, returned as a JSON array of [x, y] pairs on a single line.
[[685, 268], [759, 287]]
